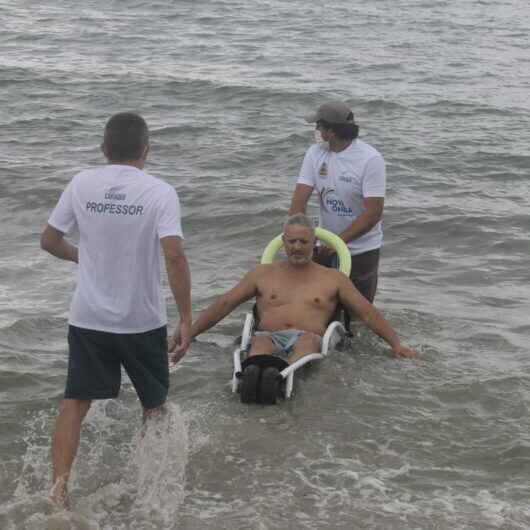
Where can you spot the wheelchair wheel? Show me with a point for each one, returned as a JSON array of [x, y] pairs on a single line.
[[270, 385], [249, 384]]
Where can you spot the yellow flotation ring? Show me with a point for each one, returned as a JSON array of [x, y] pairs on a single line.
[[325, 235]]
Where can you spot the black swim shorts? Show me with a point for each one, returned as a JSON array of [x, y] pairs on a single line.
[[96, 357]]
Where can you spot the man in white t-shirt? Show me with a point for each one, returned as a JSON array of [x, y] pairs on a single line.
[[117, 316], [349, 176]]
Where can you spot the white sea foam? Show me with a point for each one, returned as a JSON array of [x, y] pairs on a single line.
[[147, 488]]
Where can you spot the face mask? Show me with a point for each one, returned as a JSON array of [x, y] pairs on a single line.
[[319, 140]]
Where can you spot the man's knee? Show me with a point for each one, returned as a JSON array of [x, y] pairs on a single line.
[[75, 407]]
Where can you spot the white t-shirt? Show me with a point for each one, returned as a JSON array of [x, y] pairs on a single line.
[[120, 213], [343, 179]]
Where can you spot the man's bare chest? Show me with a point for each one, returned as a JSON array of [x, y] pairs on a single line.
[[310, 294]]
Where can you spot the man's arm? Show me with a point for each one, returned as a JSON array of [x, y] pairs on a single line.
[[350, 298], [225, 304], [178, 273], [362, 224], [301, 195], [52, 240], [366, 221], [373, 192]]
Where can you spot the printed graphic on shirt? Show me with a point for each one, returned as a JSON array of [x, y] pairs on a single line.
[[114, 193], [331, 203], [323, 170]]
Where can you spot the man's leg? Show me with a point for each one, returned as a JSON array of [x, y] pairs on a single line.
[[145, 359], [93, 373], [151, 417], [364, 273], [262, 345], [364, 276], [65, 443], [364, 270], [304, 345], [154, 414]]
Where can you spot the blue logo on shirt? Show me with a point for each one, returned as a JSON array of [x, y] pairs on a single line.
[[113, 193], [329, 202]]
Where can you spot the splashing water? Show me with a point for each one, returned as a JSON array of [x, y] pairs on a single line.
[[161, 454], [114, 484]]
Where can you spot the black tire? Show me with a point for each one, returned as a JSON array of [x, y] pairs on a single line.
[[249, 384], [270, 385]]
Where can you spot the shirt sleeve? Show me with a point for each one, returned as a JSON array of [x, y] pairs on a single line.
[[63, 217], [307, 171], [169, 218], [374, 180]]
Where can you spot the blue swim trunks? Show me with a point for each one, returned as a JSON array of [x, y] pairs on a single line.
[[284, 339]]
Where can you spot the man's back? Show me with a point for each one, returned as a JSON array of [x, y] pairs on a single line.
[[291, 298], [120, 212]]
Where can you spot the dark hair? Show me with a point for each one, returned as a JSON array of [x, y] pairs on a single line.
[[344, 131], [126, 137]]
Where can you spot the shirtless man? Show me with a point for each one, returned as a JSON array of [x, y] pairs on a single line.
[[295, 300]]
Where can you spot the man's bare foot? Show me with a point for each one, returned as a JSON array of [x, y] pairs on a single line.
[[59, 493]]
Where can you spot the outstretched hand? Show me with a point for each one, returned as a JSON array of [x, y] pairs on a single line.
[[403, 351], [179, 342]]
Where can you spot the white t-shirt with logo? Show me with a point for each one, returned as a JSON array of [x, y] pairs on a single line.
[[343, 179], [120, 213]]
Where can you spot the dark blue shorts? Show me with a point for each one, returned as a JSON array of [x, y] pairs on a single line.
[[364, 270], [96, 358]]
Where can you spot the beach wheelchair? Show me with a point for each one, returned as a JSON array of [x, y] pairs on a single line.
[[263, 378]]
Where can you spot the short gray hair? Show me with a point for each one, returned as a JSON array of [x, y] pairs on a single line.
[[299, 219]]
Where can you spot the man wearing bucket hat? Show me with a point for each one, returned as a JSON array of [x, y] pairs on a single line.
[[350, 178]]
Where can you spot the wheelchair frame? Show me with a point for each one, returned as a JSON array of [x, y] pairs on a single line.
[[335, 332]]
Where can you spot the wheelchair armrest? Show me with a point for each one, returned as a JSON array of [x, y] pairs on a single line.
[[248, 330], [334, 332]]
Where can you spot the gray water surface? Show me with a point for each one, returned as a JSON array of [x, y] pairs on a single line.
[[368, 441]]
